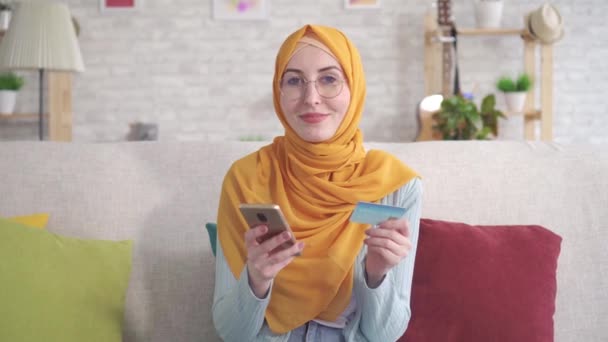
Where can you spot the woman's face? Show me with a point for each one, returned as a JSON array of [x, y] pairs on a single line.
[[314, 94]]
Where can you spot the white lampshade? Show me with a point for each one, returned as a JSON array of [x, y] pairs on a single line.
[[41, 35]]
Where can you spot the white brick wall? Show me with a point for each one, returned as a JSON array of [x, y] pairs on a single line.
[[202, 79]]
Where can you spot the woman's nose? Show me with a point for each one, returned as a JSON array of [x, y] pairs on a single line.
[[311, 95]]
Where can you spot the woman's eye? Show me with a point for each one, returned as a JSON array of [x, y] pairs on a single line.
[[294, 81], [328, 79]]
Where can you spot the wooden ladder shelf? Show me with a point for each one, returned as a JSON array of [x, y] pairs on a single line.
[[434, 49]]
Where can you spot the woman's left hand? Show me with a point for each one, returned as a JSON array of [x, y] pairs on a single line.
[[387, 245]]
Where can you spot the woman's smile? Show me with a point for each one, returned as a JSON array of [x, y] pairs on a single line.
[[313, 117]]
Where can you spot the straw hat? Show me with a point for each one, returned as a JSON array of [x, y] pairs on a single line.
[[545, 24]]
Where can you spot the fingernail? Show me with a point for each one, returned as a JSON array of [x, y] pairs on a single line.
[[300, 245], [286, 235]]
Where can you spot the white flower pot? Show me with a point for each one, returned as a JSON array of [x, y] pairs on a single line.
[[7, 101], [5, 20], [515, 101], [488, 13]]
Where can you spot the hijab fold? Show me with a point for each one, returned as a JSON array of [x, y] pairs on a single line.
[[317, 186]]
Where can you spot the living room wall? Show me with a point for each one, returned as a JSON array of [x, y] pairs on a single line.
[[172, 64]]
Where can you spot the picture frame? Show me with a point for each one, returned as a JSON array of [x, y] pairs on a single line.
[[240, 9], [361, 4], [119, 5]]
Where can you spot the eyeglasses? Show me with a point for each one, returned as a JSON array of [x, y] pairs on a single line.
[[294, 86]]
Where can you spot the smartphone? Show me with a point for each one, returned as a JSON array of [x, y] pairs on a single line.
[[269, 215]]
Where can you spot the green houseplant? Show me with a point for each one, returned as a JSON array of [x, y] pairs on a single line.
[[515, 91], [460, 119], [10, 81], [10, 84]]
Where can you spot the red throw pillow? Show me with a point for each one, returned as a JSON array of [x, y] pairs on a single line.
[[483, 283]]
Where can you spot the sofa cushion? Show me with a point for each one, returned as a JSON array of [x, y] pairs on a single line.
[[483, 283], [212, 231], [57, 288]]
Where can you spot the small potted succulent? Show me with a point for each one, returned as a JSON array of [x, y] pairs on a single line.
[[515, 91], [5, 15], [10, 84]]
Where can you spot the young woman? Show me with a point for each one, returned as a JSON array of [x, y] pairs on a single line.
[[350, 282]]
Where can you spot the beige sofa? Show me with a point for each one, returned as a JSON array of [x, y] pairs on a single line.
[[162, 194]]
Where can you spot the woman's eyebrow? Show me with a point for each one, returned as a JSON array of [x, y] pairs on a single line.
[[292, 70], [329, 68], [320, 70]]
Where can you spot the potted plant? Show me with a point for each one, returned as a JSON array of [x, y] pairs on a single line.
[[460, 119], [10, 84], [5, 15], [488, 13], [515, 91]]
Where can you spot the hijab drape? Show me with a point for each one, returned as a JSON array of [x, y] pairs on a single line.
[[317, 186]]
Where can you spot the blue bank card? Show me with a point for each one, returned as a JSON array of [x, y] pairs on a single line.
[[372, 213]]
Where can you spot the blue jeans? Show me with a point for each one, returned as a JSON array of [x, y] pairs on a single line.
[[315, 332]]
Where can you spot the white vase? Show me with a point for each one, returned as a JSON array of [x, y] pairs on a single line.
[[488, 13], [7, 101], [515, 101], [5, 20]]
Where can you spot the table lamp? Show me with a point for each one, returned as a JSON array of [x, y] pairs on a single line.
[[41, 37]]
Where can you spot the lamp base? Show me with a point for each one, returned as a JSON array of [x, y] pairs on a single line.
[[41, 105]]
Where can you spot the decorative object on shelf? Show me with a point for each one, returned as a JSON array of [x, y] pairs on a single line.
[[460, 119], [488, 13], [361, 4], [5, 15], [41, 37], [240, 9], [545, 24], [424, 117], [119, 5], [449, 56], [10, 84], [515, 91], [139, 131]]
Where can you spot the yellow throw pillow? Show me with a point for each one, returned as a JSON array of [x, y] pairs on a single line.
[[35, 220]]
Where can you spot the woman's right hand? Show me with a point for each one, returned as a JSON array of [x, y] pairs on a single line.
[[265, 260]]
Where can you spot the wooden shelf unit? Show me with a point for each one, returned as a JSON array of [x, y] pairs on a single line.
[[490, 32], [21, 117], [433, 71]]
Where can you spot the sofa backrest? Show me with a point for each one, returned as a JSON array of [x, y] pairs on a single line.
[[161, 195]]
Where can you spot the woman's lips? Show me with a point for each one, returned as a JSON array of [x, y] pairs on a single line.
[[313, 117]]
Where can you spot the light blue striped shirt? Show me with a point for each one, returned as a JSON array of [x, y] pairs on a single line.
[[382, 313]]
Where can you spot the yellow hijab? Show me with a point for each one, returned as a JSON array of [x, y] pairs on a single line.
[[317, 186]]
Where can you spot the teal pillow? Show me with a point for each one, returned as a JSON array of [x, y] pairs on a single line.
[[212, 230], [56, 288]]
